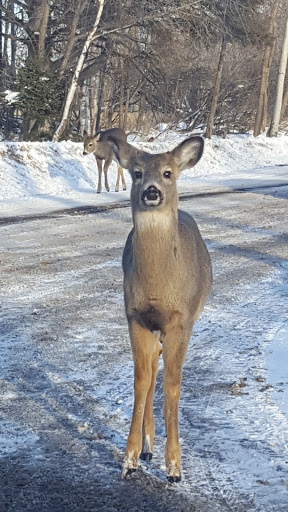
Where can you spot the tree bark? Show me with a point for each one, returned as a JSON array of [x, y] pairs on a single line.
[[273, 130], [211, 116], [261, 116], [94, 103], [284, 104], [43, 28], [81, 4], [71, 92]]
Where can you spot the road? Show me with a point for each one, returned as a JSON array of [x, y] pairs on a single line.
[[67, 373]]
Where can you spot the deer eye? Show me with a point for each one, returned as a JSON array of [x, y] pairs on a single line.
[[91, 144], [137, 175], [167, 174]]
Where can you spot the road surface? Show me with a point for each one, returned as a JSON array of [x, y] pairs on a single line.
[[66, 378]]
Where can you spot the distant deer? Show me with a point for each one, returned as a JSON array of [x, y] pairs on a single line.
[[167, 280], [98, 145]]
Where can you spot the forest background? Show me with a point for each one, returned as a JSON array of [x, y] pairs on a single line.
[[70, 66]]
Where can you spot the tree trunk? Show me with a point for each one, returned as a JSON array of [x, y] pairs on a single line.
[[261, 116], [210, 121], [43, 28], [99, 99], [81, 4], [84, 109], [273, 130], [94, 103], [2, 66], [71, 92], [284, 104], [141, 110], [127, 101]]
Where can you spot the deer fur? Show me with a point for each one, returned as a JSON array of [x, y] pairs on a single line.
[[167, 280], [98, 145]]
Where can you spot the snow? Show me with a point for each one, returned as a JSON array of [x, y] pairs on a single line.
[[239, 344], [40, 177]]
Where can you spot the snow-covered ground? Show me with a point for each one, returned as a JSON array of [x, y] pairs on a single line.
[[66, 366], [40, 177]]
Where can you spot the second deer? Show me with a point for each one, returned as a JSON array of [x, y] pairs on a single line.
[[98, 145], [167, 280]]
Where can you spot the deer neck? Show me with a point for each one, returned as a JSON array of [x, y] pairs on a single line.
[[155, 241]]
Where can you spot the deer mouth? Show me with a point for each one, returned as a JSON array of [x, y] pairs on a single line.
[[152, 196]]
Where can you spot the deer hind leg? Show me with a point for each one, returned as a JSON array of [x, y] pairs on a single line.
[[175, 346], [120, 174], [143, 342], [99, 165], [120, 169], [106, 167], [148, 431]]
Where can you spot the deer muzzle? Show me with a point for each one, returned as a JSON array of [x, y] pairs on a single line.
[[152, 196]]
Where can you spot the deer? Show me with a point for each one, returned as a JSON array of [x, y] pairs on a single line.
[[98, 145], [167, 281]]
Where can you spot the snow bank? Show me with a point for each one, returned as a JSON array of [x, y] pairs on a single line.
[[59, 173]]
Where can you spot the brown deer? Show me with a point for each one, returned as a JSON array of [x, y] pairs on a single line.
[[167, 280], [98, 145]]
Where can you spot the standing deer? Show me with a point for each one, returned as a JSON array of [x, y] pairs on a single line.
[[167, 280], [98, 145]]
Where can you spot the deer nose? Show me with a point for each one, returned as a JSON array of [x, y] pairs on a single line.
[[85, 153], [152, 195]]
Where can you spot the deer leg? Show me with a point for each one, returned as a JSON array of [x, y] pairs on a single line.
[[118, 180], [106, 167], [143, 342], [148, 432], [175, 346], [99, 165], [122, 178]]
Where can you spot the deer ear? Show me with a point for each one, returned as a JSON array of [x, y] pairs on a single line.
[[189, 152], [124, 152]]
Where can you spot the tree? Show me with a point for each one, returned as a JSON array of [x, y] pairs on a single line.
[[72, 90], [261, 116], [273, 130]]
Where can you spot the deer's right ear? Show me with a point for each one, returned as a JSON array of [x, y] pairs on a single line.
[[124, 152]]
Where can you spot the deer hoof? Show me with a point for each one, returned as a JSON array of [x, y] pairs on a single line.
[[130, 465], [173, 472], [146, 456], [174, 479]]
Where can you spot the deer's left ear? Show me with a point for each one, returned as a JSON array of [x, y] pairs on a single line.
[[189, 152]]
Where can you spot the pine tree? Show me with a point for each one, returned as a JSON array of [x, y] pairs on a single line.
[[40, 95]]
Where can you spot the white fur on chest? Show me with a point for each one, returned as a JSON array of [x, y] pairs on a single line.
[[158, 220]]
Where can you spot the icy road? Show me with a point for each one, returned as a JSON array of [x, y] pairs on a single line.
[[67, 373]]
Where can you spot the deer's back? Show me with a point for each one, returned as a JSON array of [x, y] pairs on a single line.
[[113, 132]]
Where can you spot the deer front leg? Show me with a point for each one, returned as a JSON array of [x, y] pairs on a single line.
[[142, 341], [148, 432], [99, 165], [174, 350], [106, 167]]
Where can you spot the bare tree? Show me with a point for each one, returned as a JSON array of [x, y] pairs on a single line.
[[216, 89], [273, 130], [261, 116], [72, 90]]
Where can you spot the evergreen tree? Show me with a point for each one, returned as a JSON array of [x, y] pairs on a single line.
[[39, 101]]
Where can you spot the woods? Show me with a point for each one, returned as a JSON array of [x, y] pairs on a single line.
[[81, 65]]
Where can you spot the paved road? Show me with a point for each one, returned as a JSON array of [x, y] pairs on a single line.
[[66, 367]]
